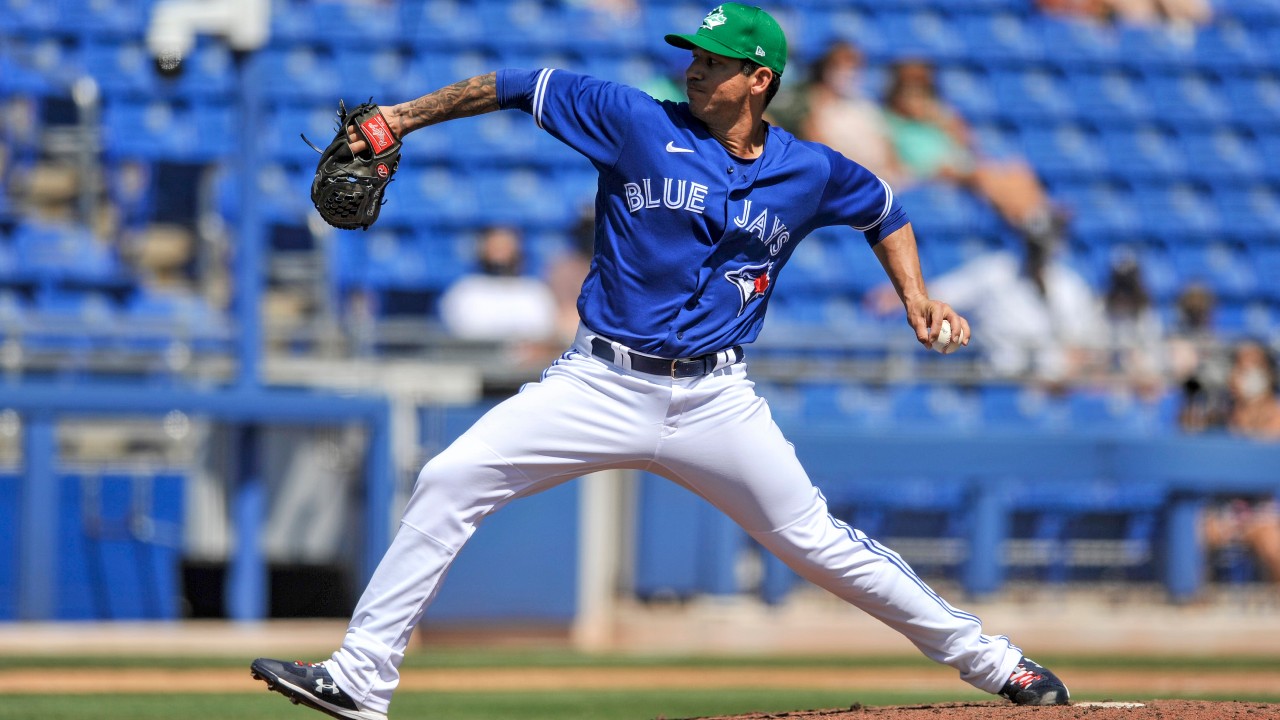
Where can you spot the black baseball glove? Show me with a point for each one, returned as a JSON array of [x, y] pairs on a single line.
[[348, 188]]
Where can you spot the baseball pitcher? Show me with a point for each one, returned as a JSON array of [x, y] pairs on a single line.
[[699, 207]]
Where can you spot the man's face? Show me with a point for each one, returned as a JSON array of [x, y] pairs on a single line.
[[715, 85]]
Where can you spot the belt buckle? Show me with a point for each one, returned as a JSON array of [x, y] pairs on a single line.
[[674, 364]]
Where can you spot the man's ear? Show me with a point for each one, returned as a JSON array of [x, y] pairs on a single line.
[[760, 80]]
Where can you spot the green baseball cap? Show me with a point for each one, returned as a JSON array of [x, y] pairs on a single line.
[[739, 31]]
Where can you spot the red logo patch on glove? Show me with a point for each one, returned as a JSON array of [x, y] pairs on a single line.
[[378, 133]]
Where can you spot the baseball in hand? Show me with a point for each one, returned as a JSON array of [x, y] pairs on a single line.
[[943, 342]]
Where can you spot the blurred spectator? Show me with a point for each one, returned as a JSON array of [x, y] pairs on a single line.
[[1255, 409], [1135, 332], [499, 302], [934, 143], [832, 108], [1250, 521], [1033, 316], [566, 271], [1198, 361], [1178, 13]]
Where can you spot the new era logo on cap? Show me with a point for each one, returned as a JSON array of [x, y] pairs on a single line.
[[739, 31]]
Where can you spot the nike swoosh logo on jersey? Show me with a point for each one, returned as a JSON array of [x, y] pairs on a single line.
[[671, 147]]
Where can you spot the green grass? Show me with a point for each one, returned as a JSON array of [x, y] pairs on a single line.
[[578, 705], [558, 705]]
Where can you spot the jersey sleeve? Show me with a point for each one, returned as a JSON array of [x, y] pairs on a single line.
[[857, 197], [589, 115]]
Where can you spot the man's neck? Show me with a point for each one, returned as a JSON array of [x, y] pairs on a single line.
[[743, 138]]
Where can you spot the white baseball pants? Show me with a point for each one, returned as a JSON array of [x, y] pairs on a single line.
[[711, 434]]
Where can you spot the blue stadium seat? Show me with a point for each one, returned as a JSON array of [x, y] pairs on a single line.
[[41, 64], [1268, 141], [860, 27], [1254, 211], [64, 251], [524, 196], [370, 72], [998, 140], [1156, 48], [1065, 150], [400, 261], [1178, 212], [970, 91], [526, 24], [846, 405], [284, 124], [1221, 266], [1102, 209], [298, 73], [929, 406], [1262, 12], [1035, 95], [1144, 153], [947, 209], [1265, 260], [105, 18], [1078, 45], [443, 25], [1254, 99], [437, 194], [1229, 46], [1188, 98], [1119, 411], [923, 33], [177, 132], [1223, 155], [124, 68], [1018, 408], [296, 22], [1001, 39], [1112, 96]]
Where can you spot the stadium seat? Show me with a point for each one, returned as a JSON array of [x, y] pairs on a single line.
[[1221, 154], [1144, 153], [1220, 265], [1017, 408], [969, 90], [1035, 95], [935, 406], [1254, 211], [1188, 98], [1064, 150], [1178, 212], [1112, 96], [846, 405], [297, 73], [1265, 260], [64, 252], [1004, 39], [923, 33], [1101, 210], [370, 72], [1119, 411], [1078, 45], [1254, 99], [1229, 46]]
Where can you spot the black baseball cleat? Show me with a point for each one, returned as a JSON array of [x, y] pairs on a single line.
[[1034, 684], [310, 684]]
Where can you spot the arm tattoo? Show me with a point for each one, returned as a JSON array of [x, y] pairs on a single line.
[[475, 96]]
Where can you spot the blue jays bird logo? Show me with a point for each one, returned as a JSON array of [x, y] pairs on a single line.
[[714, 18], [752, 282]]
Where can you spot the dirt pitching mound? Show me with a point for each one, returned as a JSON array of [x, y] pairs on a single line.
[[1147, 710]]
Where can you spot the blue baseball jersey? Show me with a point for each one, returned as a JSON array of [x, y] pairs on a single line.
[[689, 239]]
